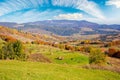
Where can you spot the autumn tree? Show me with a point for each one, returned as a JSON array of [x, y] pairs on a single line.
[[96, 56]]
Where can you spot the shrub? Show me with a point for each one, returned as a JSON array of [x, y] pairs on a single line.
[[87, 49], [68, 47], [7, 38], [55, 45], [96, 56], [113, 52], [12, 50], [113, 43], [1, 54], [61, 46], [77, 48]]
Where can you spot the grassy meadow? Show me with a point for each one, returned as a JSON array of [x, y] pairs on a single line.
[[71, 58], [69, 68], [17, 70]]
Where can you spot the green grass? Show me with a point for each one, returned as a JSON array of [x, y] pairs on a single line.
[[17, 70], [71, 58], [67, 69]]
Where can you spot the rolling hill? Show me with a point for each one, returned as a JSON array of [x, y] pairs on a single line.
[[65, 27], [25, 36], [61, 64]]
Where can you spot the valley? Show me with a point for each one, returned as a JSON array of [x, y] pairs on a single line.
[[59, 39], [59, 57]]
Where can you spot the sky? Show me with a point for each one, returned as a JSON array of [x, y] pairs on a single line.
[[98, 11]]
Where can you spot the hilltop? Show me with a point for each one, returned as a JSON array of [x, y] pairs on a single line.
[[25, 36]]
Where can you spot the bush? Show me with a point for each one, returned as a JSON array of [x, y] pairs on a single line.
[[12, 50], [61, 46], [68, 47], [96, 56], [87, 49], [113, 52], [1, 54], [77, 48], [7, 38]]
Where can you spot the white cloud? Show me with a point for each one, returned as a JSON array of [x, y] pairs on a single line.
[[89, 7], [74, 16], [114, 2], [15, 5], [85, 5], [78, 16], [29, 16]]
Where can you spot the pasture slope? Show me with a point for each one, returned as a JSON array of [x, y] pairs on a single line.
[[17, 70]]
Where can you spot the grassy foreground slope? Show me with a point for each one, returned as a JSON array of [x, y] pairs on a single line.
[[17, 70], [68, 57]]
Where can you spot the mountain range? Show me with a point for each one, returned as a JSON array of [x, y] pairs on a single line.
[[65, 27]]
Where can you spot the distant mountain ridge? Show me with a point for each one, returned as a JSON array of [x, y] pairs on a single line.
[[65, 27]]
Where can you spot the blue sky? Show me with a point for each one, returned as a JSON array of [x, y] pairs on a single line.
[[99, 11]]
